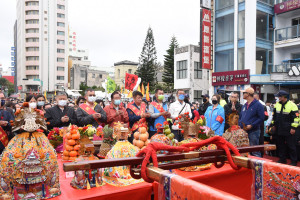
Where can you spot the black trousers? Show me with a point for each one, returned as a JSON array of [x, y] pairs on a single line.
[[287, 145], [178, 135]]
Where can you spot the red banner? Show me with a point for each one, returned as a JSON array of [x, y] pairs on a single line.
[[130, 81], [286, 6], [206, 38], [239, 77]]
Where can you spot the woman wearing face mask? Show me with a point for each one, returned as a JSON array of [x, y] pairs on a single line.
[[41, 102], [215, 116], [31, 99], [61, 115], [115, 112]]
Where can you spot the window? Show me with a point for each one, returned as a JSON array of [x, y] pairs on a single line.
[[208, 74], [261, 61], [32, 3], [261, 25], [32, 21], [129, 71], [70, 42], [85, 57], [45, 12], [197, 95], [32, 76], [241, 25], [100, 75], [60, 59], [30, 58], [294, 55], [221, 4], [32, 30], [32, 67], [93, 75], [241, 58], [32, 48], [60, 51], [60, 78], [70, 49], [197, 70], [60, 42], [62, 7], [225, 29], [82, 73], [60, 15], [224, 61], [45, 32], [182, 69], [60, 33], [119, 72], [60, 69], [32, 39], [61, 24], [32, 12]]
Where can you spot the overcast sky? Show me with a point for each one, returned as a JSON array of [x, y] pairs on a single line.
[[115, 30]]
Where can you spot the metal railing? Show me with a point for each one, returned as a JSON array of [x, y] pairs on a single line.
[[284, 67], [287, 33]]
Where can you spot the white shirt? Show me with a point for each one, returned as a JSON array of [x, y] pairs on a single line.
[[175, 108]]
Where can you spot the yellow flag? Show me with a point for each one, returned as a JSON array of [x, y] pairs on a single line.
[[143, 89], [147, 93], [130, 94], [54, 92], [139, 89], [125, 91], [45, 95], [121, 90]]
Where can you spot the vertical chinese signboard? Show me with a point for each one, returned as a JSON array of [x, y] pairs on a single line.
[[205, 30]]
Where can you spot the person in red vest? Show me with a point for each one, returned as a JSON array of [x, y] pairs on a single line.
[[158, 110], [137, 113]]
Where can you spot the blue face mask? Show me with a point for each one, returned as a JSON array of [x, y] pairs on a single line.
[[181, 97], [117, 102], [41, 103]]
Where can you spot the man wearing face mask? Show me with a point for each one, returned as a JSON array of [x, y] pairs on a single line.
[[203, 107], [178, 108], [285, 122], [115, 112], [5, 127], [158, 110], [90, 112], [60, 115]]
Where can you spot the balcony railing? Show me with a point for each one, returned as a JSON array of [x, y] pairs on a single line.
[[287, 33], [284, 67]]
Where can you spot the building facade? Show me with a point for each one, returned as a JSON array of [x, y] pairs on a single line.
[[42, 45], [286, 70], [242, 43], [123, 67], [188, 75]]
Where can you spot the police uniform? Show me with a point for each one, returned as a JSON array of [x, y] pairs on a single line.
[[285, 118]]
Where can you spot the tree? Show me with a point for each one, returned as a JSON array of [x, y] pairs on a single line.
[[147, 61], [5, 84], [168, 75]]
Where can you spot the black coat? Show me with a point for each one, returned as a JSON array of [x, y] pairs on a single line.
[[55, 114], [203, 107], [228, 111], [85, 119]]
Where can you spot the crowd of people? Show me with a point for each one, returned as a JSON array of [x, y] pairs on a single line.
[[264, 122]]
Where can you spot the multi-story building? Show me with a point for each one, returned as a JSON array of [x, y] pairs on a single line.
[[123, 67], [286, 71], [243, 40], [188, 74], [42, 44]]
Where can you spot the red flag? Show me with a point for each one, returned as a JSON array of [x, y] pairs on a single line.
[[130, 81]]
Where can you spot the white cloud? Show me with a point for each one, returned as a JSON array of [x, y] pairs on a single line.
[[115, 30]]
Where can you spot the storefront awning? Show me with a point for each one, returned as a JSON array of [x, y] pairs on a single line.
[[292, 60]]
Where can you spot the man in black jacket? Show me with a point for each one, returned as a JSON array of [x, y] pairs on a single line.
[[203, 107], [60, 115], [232, 106], [90, 112]]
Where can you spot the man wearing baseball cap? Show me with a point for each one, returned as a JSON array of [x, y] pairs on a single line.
[[251, 116], [285, 122]]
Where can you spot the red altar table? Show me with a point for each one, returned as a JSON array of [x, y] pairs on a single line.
[[106, 192]]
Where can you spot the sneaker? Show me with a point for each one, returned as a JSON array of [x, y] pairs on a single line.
[[281, 161], [293, 163]]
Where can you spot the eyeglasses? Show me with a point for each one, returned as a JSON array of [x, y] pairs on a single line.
[[91, 95], [245, 93]]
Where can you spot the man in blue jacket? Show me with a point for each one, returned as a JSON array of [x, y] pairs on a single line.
[[251, 116]]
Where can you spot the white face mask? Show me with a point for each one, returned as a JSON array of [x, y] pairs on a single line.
[[32, 105], [91, 99], [62, 102]]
